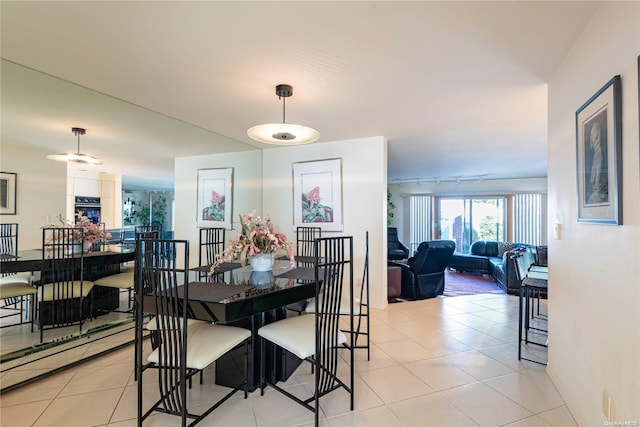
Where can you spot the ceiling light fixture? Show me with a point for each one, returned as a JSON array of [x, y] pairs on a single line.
[[283, 133], [76, 157]]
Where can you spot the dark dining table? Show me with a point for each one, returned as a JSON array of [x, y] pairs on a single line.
[[250, 300], [33, 259]]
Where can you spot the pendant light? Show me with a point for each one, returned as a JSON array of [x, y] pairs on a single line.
[[76, 157], [283, 133]]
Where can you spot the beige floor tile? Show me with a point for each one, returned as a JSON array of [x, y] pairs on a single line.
[[406, 350], [378, 359], [275, 409], [380, 416], [430, 410], [534, 421], [23, 415], [46, 389], [89, 409], [530, 389], [484, 405], [97, 379], [474, 338], [395, 383], [386, 333], [477, 364], [439, 374], [559, 417]]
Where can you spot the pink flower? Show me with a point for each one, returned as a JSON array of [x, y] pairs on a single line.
[[314, 195], [215, 198]]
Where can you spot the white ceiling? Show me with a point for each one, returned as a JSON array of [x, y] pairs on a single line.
[[458, 88]]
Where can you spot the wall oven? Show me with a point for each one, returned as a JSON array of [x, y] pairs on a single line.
[[89, 206]]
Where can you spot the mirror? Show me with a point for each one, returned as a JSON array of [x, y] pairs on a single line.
[[38, 111]]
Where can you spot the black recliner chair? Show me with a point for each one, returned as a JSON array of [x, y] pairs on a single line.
[[423, 274], [396, 250]]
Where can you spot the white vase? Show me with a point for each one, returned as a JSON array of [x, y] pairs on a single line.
[[261, 262]]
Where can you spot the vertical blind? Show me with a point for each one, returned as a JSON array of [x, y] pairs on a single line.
[[530, 218], [419, 220]]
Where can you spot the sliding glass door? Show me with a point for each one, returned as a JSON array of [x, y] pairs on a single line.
[[465, 220]]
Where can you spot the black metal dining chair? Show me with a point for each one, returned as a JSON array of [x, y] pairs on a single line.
[[181, 349], [211, 245], [16, 293], [357, 310], [64, 296], [317, 338], [531, 285], [305, 240]]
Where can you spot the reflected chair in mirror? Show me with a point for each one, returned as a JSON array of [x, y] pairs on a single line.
[[64, 296], [16, 293], [154, 227], [423, 274], [125, 279], [396, 250], [360, 312], [211, 245], [181, 351], [317, 338], [9, 251], [532, 283], [305, 240]]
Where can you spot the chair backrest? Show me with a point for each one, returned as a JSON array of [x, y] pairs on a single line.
[[161, 294], [63, 274], [211, 244], [395, 248], [521, 264], [333, 271], [149, 228], [9, 239], [432, 256], [305, 238]]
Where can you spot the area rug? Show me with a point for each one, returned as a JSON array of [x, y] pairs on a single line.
[[457, 284]]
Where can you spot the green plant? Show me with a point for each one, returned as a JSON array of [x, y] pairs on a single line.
[[390, 207]]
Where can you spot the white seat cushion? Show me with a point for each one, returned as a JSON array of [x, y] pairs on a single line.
[[152, 324], [127, 268], [538, 275], [8, 290], [45, 292], [206, 343], [16, 278], [120, 280], [344, 306], [295, 334]]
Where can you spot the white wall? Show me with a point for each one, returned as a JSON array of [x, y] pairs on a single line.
[[594, 273], [247, 191], [41, 190], [364, 176]]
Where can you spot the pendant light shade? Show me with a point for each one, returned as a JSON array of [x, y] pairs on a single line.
[[76, 157], [283, 133]]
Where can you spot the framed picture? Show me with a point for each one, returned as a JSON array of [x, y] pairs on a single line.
[[7, 193], [215, 197], [599, 156], [317, 194]]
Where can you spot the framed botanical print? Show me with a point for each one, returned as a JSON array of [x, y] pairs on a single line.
[[8, 193], [215, 197], [317, 194], [599, 156]]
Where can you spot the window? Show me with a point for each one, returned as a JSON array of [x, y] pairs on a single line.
[[465, 220], [419, 220], [530, 218]]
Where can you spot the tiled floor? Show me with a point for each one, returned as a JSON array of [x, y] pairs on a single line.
[[437, 362]]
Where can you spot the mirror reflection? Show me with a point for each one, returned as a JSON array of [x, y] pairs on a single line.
[[36, 110]]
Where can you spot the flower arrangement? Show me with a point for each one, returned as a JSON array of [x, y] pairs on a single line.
[[313, 210], [257, 237], [92, 232]]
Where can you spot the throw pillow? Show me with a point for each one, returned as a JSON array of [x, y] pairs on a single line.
[[505, 247]]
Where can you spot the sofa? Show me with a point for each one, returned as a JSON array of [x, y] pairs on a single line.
[[422, 276], [491, 258]]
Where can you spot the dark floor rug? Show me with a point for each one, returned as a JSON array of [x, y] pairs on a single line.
[[457, 284]]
